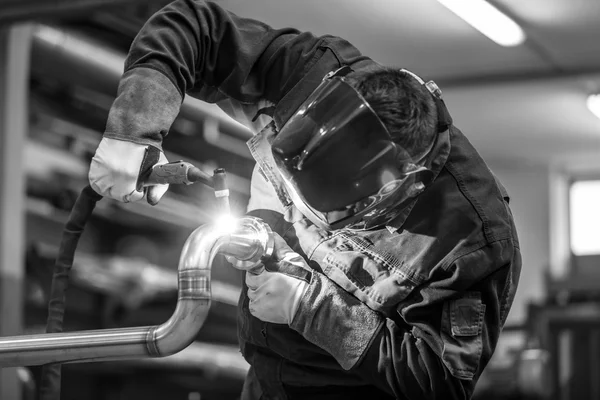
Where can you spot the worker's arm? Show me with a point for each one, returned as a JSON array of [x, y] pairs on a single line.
[[196, 47], [441, 337]]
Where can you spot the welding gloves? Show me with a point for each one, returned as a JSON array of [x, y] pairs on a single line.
[[146, 105], [276, 291], [115, 169]]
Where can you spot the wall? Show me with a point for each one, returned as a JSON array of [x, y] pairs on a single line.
[[528, 187]]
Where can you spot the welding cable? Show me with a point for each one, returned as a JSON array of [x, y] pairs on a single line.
[[50, 380]]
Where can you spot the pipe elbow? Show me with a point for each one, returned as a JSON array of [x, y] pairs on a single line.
[[247, 239]]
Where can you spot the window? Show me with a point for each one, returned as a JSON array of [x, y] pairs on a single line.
[[584, 199]]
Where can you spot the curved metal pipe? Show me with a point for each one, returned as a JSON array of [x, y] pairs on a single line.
[[249, 240]]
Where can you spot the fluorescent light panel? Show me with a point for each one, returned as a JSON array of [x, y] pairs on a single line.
[[488, 20]]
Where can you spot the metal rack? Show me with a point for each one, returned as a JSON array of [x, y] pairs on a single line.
[[17, 46], [15, 42]]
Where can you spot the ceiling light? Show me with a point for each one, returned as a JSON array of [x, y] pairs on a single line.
[[488, 20], [593, 103]]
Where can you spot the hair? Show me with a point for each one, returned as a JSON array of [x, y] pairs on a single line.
[[404, 106]]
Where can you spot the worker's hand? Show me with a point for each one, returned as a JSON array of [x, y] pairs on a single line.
[[255, 266], [276, 291], [115, 169]]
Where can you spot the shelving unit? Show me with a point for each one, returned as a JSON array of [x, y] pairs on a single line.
[[66, 120], [14, 62]]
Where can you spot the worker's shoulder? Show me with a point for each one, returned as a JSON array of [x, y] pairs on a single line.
[[346, 53], [332, 53], [483, 195]]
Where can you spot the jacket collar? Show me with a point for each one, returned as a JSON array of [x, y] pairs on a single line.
[[435, 164]]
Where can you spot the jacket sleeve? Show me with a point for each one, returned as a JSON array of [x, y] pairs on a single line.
[[428, 351], [195, 47]]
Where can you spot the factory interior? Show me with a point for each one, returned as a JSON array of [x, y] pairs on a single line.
[[529, 103]]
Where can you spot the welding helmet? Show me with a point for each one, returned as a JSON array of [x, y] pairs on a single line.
[[339, 163]]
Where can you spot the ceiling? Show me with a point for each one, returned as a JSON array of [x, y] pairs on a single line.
[[520, 106], [517, 105]]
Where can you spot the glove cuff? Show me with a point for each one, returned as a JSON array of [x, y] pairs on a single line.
[[147, 103], [336, 321]]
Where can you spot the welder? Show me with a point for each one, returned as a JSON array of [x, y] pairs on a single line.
[[396, 257]]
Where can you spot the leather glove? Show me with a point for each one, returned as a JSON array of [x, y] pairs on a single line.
[[116, 167], [275, 292]]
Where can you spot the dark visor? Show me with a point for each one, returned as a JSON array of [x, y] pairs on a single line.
[[335, 151]]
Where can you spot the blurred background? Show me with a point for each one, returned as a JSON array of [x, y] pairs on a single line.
[[522, 91]]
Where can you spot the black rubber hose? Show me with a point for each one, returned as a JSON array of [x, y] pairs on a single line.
[[50, 379]]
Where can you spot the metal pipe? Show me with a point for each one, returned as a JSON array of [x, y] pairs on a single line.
[[250, 240]]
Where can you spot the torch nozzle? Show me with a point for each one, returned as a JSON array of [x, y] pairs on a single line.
[[181, 172], [195, 174]]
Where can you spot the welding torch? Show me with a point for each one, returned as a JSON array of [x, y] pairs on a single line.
[[182, 172]]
